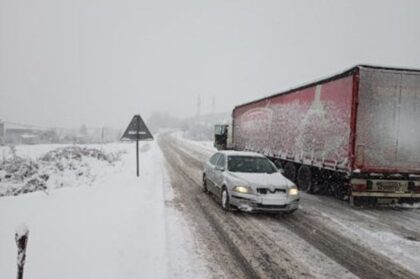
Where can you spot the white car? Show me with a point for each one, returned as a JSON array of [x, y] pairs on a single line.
[[250, 182]]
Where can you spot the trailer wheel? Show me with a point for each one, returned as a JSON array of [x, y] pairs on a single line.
[[318, 182], [278, 164], [357, 201], [290, 171], [304, 179], [339, 190]]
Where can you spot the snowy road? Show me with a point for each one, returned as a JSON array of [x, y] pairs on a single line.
[[324, 239], [109, 224]]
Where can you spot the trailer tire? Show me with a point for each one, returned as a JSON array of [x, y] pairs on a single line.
[[319, 185], [278, 163], [340, 191], [304, 179], [357, 201], [290, 171]]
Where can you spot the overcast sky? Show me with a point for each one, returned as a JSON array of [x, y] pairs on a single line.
[[98, 62]]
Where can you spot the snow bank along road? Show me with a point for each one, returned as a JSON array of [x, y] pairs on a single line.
[[115, 226], [324, 239]]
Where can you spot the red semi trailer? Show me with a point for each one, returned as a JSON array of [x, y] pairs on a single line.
[[356, 134]]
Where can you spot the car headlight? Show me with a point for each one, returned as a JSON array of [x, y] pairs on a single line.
[[293, 191], [242, 189]]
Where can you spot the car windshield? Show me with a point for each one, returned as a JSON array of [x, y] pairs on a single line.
[[250, 164]]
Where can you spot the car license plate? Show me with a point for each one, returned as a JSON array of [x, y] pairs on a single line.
[[276, 200]]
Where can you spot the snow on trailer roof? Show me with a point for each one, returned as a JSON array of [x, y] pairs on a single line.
[[342, 74], [241, 153]]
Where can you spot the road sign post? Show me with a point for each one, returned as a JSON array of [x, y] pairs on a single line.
[[138, 131], [137, 158], [137, 149]]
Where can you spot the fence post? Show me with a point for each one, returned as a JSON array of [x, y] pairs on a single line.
[[21, 237]]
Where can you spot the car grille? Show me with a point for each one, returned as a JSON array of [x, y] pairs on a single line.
[[265, 191], [266, 206]]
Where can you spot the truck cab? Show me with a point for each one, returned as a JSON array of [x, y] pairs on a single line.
[[220, 136], [223, 136]]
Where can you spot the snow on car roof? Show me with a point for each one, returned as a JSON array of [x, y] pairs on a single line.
[[241, 153]]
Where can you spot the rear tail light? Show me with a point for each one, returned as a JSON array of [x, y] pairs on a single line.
[[359, 187]]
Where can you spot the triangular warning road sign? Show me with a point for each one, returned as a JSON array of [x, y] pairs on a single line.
[[137, 130]]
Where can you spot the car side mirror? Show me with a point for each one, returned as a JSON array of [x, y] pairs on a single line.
[[219, 168], [281, 171]]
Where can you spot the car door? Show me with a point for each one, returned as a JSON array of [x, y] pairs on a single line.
[[219, 174], [210, 171]]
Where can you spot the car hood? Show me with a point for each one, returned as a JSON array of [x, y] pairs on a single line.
[[261, 179]]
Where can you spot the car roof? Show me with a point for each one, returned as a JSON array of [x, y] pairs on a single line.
[[241, 153]]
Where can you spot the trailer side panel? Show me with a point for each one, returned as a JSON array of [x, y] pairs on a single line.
[[311, 125]]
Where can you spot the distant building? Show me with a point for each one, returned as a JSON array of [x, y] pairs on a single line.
[[21, 136]]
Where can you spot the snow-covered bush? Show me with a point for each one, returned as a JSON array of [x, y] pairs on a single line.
[[77, 152], [67, 166]]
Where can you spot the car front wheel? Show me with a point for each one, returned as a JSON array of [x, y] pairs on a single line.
[[205, 189], [225, 200]]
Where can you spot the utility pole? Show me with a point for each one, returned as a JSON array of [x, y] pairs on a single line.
[[198, 105]]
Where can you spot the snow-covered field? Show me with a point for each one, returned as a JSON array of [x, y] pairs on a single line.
[[116, 226]]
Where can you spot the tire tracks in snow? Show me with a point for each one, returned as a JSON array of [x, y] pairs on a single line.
[[219, 259], [360, 260], [249, 247]]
